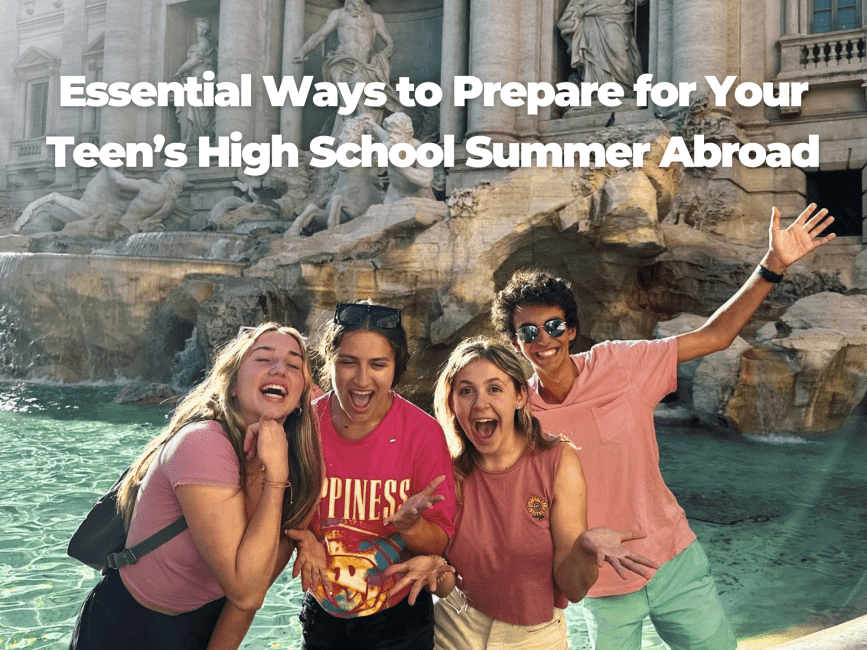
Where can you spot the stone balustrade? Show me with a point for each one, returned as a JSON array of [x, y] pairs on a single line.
[[824, 58], [30, 155]]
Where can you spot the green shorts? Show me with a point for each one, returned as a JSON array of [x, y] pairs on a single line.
[[681, 601]]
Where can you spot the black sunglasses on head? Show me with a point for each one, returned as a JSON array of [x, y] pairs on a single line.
[[555, 327], [351, 314]]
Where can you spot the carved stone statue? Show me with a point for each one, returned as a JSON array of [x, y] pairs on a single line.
[[153, 201], [355, 190], [102, 211], [600, 39], [355, 60], [197, 121], [413, 181]]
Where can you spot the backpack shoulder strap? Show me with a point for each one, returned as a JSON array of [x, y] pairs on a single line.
[[132, 555]]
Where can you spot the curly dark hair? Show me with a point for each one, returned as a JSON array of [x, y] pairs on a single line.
[[532, 287]]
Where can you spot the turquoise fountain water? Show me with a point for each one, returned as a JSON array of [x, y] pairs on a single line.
[[784, 522]]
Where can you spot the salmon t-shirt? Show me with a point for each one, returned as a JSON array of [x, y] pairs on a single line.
[[608, 414], [174, 576]]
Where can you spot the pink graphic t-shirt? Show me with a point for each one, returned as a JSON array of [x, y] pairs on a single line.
[[365, 481], [608, 414]]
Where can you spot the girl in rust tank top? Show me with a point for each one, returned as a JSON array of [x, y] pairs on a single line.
[[521, 548]]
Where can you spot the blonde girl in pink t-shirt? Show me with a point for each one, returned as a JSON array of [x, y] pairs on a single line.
[[241, 461], [521, 546]]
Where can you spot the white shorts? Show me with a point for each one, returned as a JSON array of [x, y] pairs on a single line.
[[472, 630]]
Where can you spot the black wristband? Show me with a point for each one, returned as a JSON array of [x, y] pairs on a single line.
[[768, 275]]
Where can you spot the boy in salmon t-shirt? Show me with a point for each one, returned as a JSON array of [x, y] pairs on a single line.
[[603, 401]]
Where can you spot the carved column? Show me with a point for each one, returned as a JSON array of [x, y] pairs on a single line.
[[699, 33], [793, 18], [121, 63], [292, 117], [68, 118], [239, 53], [660, 41], [493, 57], [453, 62]]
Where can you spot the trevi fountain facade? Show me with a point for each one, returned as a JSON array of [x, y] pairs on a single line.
[[109, 273]]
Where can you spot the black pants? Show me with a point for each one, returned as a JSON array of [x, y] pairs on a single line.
[[111, 619], [402, 627]]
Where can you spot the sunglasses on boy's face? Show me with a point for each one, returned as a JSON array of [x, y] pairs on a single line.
[[351, 314], [555, 327]]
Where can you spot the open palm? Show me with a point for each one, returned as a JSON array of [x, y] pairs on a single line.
[[801, 237]]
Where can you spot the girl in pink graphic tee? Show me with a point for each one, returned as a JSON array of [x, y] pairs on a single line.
[[521, 546], [241, 461], [388, 493]]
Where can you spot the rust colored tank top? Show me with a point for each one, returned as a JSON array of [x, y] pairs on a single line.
[[503, 546]]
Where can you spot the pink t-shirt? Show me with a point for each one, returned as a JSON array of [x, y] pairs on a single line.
[[503, 546], [174, 576], [608, 414], [365, 481]]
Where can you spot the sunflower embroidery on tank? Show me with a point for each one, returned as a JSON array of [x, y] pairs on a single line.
[[537, 506]]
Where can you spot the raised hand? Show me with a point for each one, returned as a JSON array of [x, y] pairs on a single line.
[[267, 440], [311, 562], [606, 545], [419, 571], [803, 236], [413, 508]]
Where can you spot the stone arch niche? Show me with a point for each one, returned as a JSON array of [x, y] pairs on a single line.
[[416, 27]]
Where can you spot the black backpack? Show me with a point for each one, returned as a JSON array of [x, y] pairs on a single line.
[[100, 540]]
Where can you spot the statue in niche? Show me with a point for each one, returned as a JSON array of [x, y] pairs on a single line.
[[355, 190], [103, 211], [413, 181], [197, 121], [601, 42], [355, 60]]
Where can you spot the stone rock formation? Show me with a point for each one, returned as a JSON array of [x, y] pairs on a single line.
[[800, 366], [802, 374]]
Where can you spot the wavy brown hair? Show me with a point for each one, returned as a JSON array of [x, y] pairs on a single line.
[[213, 400], [463, 452]]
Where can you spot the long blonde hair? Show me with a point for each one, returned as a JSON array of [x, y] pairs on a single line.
[[462, 450], [213, 400]]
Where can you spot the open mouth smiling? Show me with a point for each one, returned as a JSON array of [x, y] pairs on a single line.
[[273, 390], [484, 428], [360, 398]]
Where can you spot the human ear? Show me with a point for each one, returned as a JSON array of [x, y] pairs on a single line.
[[522, 398]]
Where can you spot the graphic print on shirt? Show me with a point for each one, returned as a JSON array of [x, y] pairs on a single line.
[[357, 556], [537, 506]]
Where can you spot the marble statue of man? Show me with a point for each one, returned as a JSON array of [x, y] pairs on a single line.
[[104, 210], [412, 181], [599, 34], [354, 60], [153, 201]]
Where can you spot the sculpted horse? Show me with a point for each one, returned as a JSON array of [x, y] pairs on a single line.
[[355, 190]]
